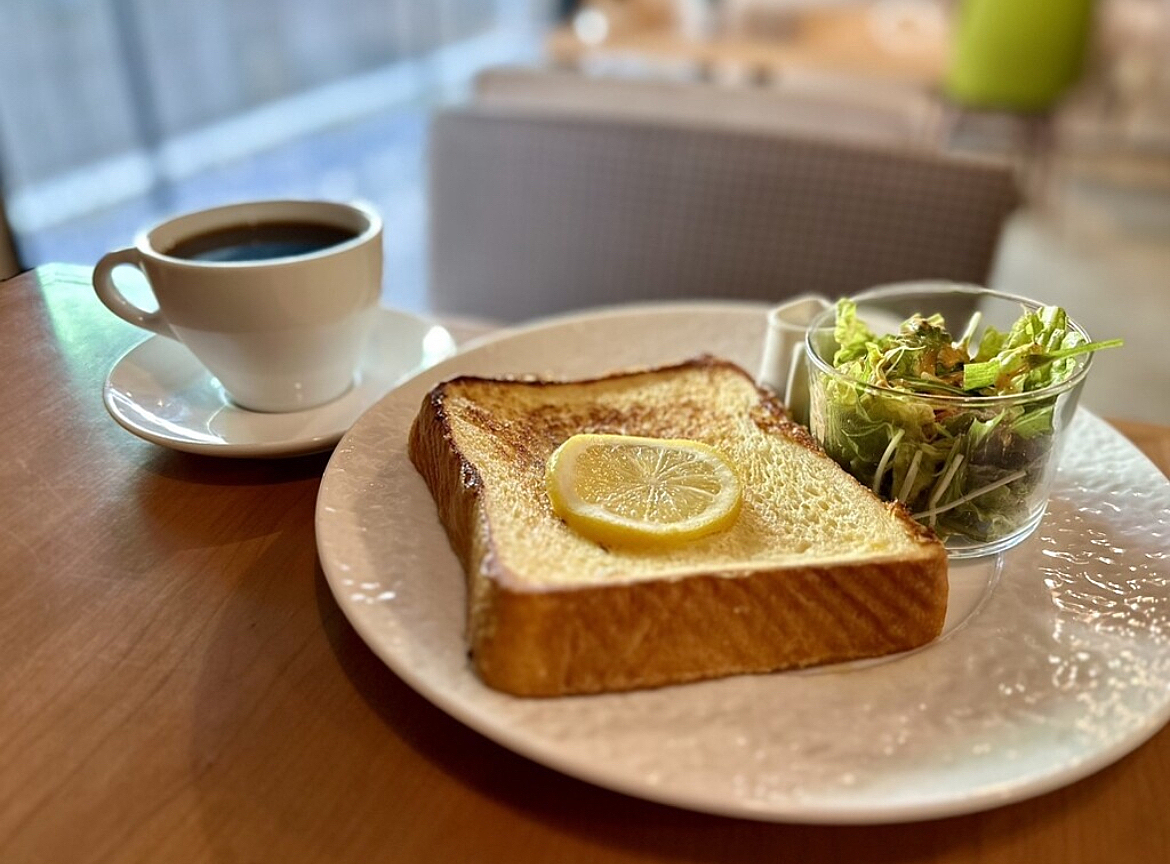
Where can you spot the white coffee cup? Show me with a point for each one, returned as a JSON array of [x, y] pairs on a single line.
[[282, 330]]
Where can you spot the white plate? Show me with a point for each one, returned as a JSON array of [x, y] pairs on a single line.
[[1056, 660], [160, 392]]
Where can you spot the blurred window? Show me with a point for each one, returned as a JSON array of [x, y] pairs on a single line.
[[115, 113]]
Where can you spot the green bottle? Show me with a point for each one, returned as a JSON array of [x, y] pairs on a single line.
[[1017, 55]]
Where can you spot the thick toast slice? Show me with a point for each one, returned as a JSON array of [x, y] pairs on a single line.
[[815, 569]]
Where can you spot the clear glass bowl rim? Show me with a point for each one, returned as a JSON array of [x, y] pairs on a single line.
[[926, 289]]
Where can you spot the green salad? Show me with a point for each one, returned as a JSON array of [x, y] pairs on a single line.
[[966, 464]]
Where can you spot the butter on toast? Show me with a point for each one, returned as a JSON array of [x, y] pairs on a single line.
[[814, 570]]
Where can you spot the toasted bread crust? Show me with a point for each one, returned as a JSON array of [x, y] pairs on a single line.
[[535, 641], [645, 634]]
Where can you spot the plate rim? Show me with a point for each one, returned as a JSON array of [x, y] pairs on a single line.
[[961, 803]]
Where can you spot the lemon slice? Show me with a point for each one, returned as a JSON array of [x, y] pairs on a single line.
[[623, 490]]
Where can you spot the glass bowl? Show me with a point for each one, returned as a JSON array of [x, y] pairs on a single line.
[[976, 469]]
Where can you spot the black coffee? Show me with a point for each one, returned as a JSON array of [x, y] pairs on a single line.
[[260, 242]]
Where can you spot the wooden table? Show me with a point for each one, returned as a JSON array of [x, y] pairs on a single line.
[[178, 685]]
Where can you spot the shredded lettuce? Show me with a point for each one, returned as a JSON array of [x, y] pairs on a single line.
[[965, 469]]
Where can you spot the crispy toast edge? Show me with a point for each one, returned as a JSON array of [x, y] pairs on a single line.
[[549, 642]]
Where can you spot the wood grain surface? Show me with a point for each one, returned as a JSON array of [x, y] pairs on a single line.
[[178, 685]]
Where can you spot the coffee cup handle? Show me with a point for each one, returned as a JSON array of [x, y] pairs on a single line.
[[108, 293]]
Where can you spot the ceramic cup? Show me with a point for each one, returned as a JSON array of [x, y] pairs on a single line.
[[282, 328], [783, 369]]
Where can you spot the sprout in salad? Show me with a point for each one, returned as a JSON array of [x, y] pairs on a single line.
[[962, 467]]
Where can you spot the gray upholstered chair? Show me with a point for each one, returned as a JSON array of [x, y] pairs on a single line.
[[534, 213]]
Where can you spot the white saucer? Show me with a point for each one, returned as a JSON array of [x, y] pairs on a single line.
[[160, 392]]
